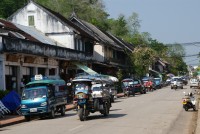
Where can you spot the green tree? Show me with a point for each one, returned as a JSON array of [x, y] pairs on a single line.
[[8, 7], [134, 23], [175, 57], [142, 57], [89, 10], [118, 27], [160, 48]]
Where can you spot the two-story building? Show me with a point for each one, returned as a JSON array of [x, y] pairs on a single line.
[[26, 52], [80, 43], [109, 51]]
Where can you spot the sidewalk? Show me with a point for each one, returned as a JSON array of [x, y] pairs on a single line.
[[14, 119], [197, 131]]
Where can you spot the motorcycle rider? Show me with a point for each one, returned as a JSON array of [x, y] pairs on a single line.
[[149, 84]]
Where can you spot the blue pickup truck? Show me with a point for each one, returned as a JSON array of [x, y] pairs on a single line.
[[44, 97]]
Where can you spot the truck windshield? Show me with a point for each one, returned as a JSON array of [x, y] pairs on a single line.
[[31, 93]]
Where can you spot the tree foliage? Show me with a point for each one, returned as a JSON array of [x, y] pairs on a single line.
[[134, 23], [142, 57], [8, 7], [118, 27], [93, 11], [89, 10]]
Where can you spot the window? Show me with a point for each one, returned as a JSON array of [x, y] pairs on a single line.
[[31, 21]]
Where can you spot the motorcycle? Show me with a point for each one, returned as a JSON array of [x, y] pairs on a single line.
[[149, 88], [189, 102], [88, 100]]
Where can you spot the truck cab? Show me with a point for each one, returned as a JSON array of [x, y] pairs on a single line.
[[44, 97]]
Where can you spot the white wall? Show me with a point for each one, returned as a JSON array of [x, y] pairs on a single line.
[[46, 24], [65, 40], [99, 52]]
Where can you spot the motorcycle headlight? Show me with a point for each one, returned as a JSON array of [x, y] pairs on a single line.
[[23, 106], [43, 104]]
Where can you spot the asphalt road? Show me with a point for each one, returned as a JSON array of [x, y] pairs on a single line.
[[158, 112]]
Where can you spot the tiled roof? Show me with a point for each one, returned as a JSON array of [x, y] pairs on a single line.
[[120, 42], [94, 31]]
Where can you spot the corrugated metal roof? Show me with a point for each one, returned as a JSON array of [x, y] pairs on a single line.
[[18, 32], [38, 35]]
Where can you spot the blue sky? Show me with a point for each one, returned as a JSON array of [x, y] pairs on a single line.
[[168, 21]]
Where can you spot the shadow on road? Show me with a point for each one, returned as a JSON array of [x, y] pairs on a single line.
[[94, 117], [116, 101], [115, 109]]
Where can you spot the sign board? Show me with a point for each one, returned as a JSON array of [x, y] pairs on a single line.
[[38, 77]]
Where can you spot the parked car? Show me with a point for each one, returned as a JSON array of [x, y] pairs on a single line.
[[176, 82], [139, 87], [158, 83], [194, 83]]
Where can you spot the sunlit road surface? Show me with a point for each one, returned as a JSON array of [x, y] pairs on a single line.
[[158, 112]]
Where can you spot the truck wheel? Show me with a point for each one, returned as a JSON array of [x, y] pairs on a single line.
[[81, 114], [106, 109], [63, 110], [52, 114], [27, 117]]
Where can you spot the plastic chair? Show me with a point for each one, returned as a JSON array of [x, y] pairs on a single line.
[[4, 110]]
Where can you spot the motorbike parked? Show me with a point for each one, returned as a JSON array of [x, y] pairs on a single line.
[[189, 102]]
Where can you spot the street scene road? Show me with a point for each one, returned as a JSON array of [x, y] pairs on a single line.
[[157, 112]]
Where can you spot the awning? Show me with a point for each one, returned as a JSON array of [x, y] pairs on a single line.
[[114, 79], [92, 72], [86, 69]]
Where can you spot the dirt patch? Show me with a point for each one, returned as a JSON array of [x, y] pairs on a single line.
[[193, 124]]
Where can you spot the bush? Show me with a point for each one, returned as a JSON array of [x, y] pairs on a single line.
[[3, 93]]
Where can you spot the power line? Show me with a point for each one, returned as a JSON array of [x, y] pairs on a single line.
[[191, 43], [191, 55], [192, 60]]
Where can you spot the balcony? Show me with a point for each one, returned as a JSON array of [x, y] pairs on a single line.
[[13, 45]]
